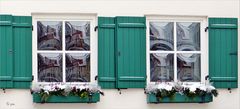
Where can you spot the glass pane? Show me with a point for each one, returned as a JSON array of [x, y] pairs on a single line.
[[161, 36], [188, 36], [77, 67], [49, 34], [161, 67], [77, 35], [189, 67], [49, 67]]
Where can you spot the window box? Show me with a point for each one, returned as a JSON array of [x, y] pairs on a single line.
[[68, 99], [178, 98]]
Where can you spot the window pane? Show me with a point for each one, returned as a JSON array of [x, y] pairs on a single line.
[[161, 67], [49, 67], [77, 35], [161, 36], [77, 67], [49, 35], [188, 36], [189, 67]]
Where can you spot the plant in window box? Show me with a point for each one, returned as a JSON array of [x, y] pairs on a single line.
[[64, 93], [180, 93]]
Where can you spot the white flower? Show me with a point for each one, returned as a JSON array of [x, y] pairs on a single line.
[[168, 87], [36, 87]]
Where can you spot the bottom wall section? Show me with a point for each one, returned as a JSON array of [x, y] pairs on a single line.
[[128, 99]]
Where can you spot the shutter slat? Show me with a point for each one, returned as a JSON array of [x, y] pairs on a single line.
[[16, 51], [22, 33], [106, 52], [131, 61], [6, 55], [222, 52]]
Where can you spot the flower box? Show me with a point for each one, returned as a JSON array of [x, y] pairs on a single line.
[[178, 98], [67, 99]]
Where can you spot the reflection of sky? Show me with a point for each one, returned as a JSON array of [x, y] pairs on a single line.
[[78, 55], [50, 23], [79, 23], [51, 55]]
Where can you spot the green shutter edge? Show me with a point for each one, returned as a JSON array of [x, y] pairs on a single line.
[[223, 28], [106, 53], [18, 75]]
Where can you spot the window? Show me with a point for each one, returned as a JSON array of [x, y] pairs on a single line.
[[175, 50], [64, 48]]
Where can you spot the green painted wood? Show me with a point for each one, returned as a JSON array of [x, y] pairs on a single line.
[[131, 52], [68, 99], [22, 42], [178, 98], [16, 51], [223, 48], [106, 52], [6, 56], [223, 26]]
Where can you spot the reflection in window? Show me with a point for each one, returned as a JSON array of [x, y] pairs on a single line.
[[188, 67], [49, 35], [161, 67], [77, 67], [161, 36], [188, 36], [77, 35], [49, 67]]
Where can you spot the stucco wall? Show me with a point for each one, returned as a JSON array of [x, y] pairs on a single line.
[[130, 98]]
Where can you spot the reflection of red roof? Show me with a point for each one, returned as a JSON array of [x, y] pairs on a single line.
[[78, 33]]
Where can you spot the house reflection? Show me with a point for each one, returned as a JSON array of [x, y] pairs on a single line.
[[77, 67], [49, 35], [49, 68], [77, 36]]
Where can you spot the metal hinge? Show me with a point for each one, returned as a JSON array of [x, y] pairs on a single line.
[[96, 27], [206, 29], [32, 27], [32, 77], [96, 77]]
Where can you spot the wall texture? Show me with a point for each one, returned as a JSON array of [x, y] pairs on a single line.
[[130, 98]]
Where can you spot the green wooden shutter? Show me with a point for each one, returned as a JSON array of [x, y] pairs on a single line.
[[6, 48], [22, 35], [223, 66], [131, 51], [106, 51], [16, 51]]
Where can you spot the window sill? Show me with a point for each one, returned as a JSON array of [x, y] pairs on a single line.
[[178, 98], [67, 99]]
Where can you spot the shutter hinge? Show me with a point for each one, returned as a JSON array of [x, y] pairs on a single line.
[[206, 29], [96, 27], [96, 77], [32, 27], [207, 77], [32, 77]]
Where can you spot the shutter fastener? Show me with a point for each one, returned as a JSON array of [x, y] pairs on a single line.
[[206, 29], [96, 27]]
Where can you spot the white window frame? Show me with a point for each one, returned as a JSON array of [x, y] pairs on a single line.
[[91, 17], [203, 44]]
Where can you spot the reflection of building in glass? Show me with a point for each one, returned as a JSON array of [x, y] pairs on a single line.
[[49, 68], [188, 67], [78, 67], [188, 36], [77, 36], [49, 35], [161, 36], [161, 67]]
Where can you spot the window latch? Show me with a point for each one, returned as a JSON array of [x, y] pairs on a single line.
[[206, 29], [32, 77], [96, 77], [96, 27]]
